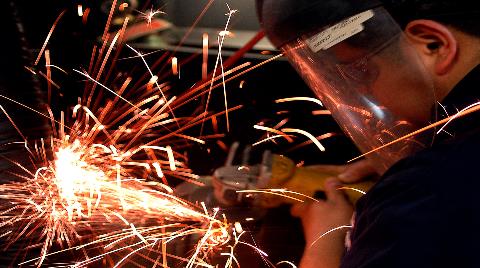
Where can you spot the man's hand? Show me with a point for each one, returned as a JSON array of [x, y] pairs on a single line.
[[318, 218], [351, 173]]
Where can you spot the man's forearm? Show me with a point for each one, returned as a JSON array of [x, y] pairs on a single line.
[[325, 253]]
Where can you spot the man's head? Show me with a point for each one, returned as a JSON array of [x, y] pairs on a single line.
[[380, 76], [461, 14], [446, 33]]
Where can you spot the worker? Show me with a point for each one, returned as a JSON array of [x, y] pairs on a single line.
[[386, 68]]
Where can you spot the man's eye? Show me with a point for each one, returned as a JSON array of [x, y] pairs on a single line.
[[358, 71]]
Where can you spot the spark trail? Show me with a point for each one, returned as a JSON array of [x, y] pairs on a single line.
[[99, 187]]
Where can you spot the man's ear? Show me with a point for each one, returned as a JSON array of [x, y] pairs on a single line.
[[435, 43]]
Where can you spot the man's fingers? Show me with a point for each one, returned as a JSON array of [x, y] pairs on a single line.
[[331, 191], [299, 210], [334, 169], [357, 171]]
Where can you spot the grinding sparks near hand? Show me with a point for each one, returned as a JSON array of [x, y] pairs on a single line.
[[99, 189], [89, 187]]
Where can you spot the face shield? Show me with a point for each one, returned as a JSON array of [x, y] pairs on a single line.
[[373, 82]]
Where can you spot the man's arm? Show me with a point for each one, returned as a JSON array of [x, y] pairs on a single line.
[[325, 224]]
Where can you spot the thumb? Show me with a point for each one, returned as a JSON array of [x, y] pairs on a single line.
[[357, 171], [331, 191], [298, 210]]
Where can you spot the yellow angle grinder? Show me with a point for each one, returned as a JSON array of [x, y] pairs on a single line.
[[275, 181]]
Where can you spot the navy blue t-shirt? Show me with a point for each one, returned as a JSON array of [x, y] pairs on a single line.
[[425, 211]]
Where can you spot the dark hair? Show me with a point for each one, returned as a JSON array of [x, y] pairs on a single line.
[[463, 15]]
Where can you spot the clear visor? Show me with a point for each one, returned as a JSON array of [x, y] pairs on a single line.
[[373, 82]]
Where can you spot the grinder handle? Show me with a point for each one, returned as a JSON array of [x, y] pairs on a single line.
[[305, 181]]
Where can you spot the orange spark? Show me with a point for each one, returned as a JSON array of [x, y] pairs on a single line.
[[287, 262], [109, 20], [321, 112], [123, 6], [85, 15], [56, 67], [219, 61], [152, 82], [226, 33], [48, 37], [330, 231], [238, 227], [222, 145], [282, 193], [33, 110], [317, 101], [191, 138], [49, 75], [205, 56], [175, 66], [305, 133], [319, 138], [30, 70], [80, 10], [276, 131], [268, 139], [352, 189]]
